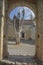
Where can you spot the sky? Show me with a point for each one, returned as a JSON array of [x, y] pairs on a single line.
[[27, 16]]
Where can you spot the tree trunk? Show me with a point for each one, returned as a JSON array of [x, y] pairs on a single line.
[[17, 37]]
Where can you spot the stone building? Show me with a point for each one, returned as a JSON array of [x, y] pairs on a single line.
[[27, 32]]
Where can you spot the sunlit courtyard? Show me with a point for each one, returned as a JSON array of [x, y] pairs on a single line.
[[24, 52], [24, 48]]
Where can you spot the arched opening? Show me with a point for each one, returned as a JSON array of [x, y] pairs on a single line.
[[26, 48], [29, 17]]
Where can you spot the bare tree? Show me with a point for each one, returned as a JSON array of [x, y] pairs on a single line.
[[18, 25]]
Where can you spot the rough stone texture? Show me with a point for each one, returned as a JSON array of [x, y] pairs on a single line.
[[3, 45], [5, 52], [40, 30], [0, 24], [12, 5]]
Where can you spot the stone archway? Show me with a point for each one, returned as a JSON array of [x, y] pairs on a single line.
[[38, 9], [22, 3]]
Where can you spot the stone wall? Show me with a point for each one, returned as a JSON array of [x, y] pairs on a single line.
[[0, 24], [39, 46], [3, 40], [10, 30], [12, 5], [28, 32]]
